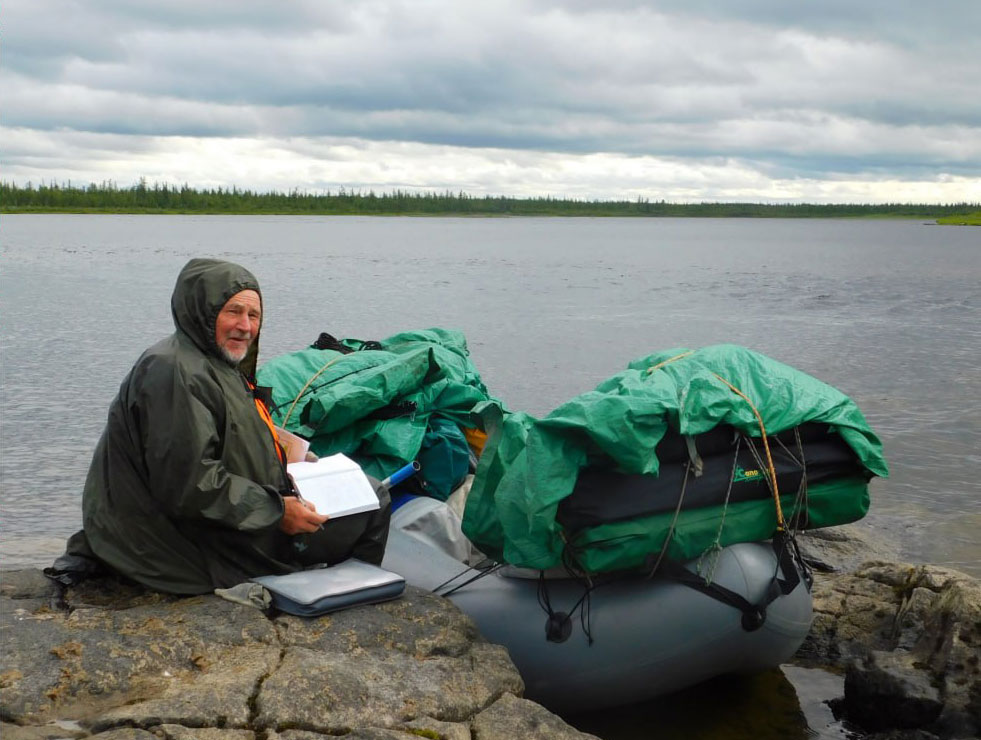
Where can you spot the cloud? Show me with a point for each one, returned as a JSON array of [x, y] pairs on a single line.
[[321, 164], [808, 92]]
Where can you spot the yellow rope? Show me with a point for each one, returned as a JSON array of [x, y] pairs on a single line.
[[303, 389], [659, 365], [313, 378], [766, 446], [781, 525]]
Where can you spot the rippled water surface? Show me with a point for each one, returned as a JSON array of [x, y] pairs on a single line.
[[888, 311]]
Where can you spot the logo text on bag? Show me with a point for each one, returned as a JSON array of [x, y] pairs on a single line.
[[742, 475]]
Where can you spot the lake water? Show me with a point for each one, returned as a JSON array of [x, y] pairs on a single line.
[[887, 311]]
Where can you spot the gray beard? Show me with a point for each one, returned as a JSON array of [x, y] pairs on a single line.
[[230, 359]]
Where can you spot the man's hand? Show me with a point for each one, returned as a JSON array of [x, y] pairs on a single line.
[[300, 516]]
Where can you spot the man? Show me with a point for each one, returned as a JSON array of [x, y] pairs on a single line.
[[188, 491]]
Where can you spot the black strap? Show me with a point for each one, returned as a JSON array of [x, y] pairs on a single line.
[[264, 394], [481, 572], [558, 625], [329, 341], [754, 615], [393, 410]]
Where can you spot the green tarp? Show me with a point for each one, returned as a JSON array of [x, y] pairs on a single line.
[[529, 465], [408, 400], [382, 407]]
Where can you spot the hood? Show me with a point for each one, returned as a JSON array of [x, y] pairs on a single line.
[[203, 287]]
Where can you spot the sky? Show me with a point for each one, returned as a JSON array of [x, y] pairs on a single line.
[[830, 101]]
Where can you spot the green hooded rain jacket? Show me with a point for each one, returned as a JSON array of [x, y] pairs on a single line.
[[184, 493]]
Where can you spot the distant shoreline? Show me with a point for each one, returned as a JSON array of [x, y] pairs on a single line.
[[142, 198], [968, 219]]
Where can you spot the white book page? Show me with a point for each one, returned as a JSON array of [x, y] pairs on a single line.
[[335, 485]]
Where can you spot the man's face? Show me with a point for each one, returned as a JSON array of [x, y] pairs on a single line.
[[238, 324]]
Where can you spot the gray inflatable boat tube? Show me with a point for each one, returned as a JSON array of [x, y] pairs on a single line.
[[650, 636]]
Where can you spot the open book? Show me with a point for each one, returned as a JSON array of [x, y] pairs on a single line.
[[335, 485]]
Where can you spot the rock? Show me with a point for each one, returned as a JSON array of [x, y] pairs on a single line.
[[27, 584], [888, 690], [51, 731], [845, 548], [113, 661], [360, 733], [432, 728], [179, 732], [128, 733], [927, 617], [510, 717]]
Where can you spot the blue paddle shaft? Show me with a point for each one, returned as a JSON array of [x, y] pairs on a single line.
[[401, 474]]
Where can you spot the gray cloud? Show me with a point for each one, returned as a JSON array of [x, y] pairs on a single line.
[[807, 90]]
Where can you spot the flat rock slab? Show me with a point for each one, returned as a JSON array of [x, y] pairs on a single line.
[[910, 638], [511, 718], [110, 660], [887, 691]]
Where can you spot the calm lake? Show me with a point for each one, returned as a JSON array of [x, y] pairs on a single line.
[[888, 311]]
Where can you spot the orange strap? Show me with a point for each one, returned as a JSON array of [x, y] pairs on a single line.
[[267, 417], [476, 438]]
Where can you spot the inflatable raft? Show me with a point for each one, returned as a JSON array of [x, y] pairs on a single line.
[[623, 640], [647, 525]]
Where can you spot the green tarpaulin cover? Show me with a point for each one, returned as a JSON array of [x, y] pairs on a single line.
[[529, 465], [383, 407], [408, 400]]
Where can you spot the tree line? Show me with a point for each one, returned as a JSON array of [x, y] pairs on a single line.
[[108, 197]]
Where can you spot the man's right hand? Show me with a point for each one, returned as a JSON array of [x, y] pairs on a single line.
[[300, 516]]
